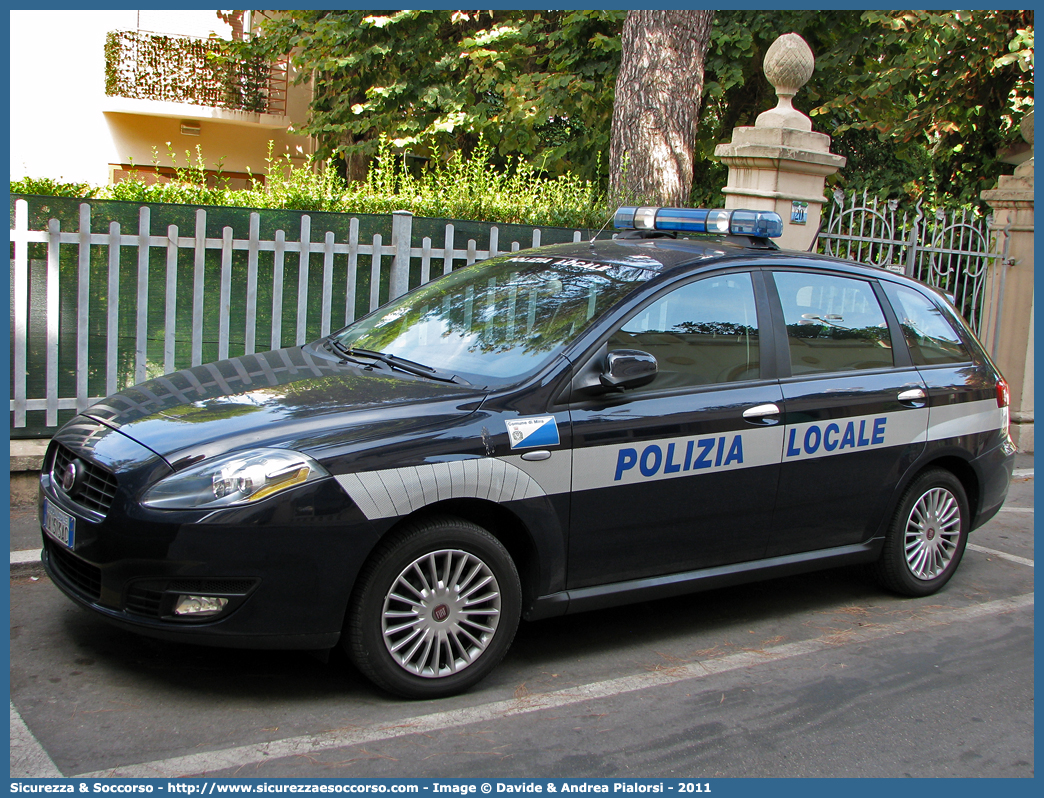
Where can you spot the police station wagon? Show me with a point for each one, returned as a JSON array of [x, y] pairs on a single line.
[[544, 432]]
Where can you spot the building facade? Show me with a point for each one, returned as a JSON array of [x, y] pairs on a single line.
[[96, 95]]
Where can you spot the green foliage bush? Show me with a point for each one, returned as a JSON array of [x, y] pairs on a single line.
[[54, 188], [461, 188]]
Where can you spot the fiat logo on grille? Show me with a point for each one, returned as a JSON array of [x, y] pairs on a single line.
[[440, 613], [72, 475]]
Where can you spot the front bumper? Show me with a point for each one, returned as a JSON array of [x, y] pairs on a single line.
[[286, 567]]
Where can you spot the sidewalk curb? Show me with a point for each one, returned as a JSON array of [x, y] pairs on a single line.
[[26, 563]]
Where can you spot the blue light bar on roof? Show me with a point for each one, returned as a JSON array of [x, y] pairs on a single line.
[[767, 224]]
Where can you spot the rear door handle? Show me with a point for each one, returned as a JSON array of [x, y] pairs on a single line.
[[762, 414]]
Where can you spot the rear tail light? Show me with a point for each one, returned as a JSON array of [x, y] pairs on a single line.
[[1002, 393]]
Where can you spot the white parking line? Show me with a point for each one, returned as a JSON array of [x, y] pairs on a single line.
[[29, 760], [238, 757], [1022, 472], [1002, 554], [1016, 509]]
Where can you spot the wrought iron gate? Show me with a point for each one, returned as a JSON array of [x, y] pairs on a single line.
[[949, 249]]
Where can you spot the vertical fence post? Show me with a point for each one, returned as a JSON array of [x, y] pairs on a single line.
[[328, 258], [402, 233], [302, 280], [141, 341], [447, 251], [21, 308], [225, 296], [249, 334], [375, 272], [911, 244], [277, 289], [494, 241], [53, 305], [199, 259], [353, 265], [425, 260], [171, 306], [83, 301], [112, 326]]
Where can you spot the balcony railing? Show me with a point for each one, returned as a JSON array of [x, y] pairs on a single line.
[[151, 66]]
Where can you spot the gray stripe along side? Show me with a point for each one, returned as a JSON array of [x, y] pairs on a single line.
[[399, 491]]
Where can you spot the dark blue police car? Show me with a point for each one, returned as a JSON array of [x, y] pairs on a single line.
[[548, 431]]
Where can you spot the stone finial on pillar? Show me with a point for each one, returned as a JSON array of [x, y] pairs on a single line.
[[788, 65], [780, 164]]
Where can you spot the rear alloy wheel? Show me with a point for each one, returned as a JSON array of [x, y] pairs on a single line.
[[435, 610], [927, 537]]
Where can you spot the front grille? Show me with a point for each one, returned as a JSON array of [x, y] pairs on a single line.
[[81, 575], [97, 488]]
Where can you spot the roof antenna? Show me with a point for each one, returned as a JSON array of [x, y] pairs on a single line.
[[611, 216]]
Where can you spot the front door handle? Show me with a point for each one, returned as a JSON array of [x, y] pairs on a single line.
[[914, 397], [762, 414], [537, 455]]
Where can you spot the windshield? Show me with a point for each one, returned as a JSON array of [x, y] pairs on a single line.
[[497, 320]]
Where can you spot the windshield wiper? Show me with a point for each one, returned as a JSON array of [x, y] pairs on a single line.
[[394, 361]]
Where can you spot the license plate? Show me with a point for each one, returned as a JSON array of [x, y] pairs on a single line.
[[59, 524]]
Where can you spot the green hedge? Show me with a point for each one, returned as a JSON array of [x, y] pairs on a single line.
[[458, 189]]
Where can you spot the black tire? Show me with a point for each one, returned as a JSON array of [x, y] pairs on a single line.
[[926, 539], [454, 630]]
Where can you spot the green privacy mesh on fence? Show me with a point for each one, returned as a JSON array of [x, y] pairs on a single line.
[[138, 328]]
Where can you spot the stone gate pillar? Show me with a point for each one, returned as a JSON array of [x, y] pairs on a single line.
[[1008, 312], [779, 164]]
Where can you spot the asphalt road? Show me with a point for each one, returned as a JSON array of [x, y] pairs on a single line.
[[819, 675]]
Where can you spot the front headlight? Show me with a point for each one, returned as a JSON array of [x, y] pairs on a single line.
[[233, 480]]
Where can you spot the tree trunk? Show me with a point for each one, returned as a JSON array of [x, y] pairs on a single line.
[[657, 105]]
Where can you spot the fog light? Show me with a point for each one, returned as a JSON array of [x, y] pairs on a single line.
[[199, 606]]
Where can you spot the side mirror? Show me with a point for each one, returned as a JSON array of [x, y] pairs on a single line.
[[628, 368]]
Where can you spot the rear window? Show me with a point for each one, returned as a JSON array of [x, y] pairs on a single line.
[[833, 323], [929, 334]]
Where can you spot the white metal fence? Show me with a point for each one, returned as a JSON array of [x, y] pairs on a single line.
[[337, 305], [953, 252]]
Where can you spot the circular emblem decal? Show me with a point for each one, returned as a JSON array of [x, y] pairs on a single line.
[[440, 613], [71, 476]]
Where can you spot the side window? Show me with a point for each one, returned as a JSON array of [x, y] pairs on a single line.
[[931, 338], [703, 333], [833, 323]]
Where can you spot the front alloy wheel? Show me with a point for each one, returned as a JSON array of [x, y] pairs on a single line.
[[434, 609], [926, 539], [441, 613]]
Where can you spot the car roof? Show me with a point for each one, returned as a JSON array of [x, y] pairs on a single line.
[[661, 256]]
